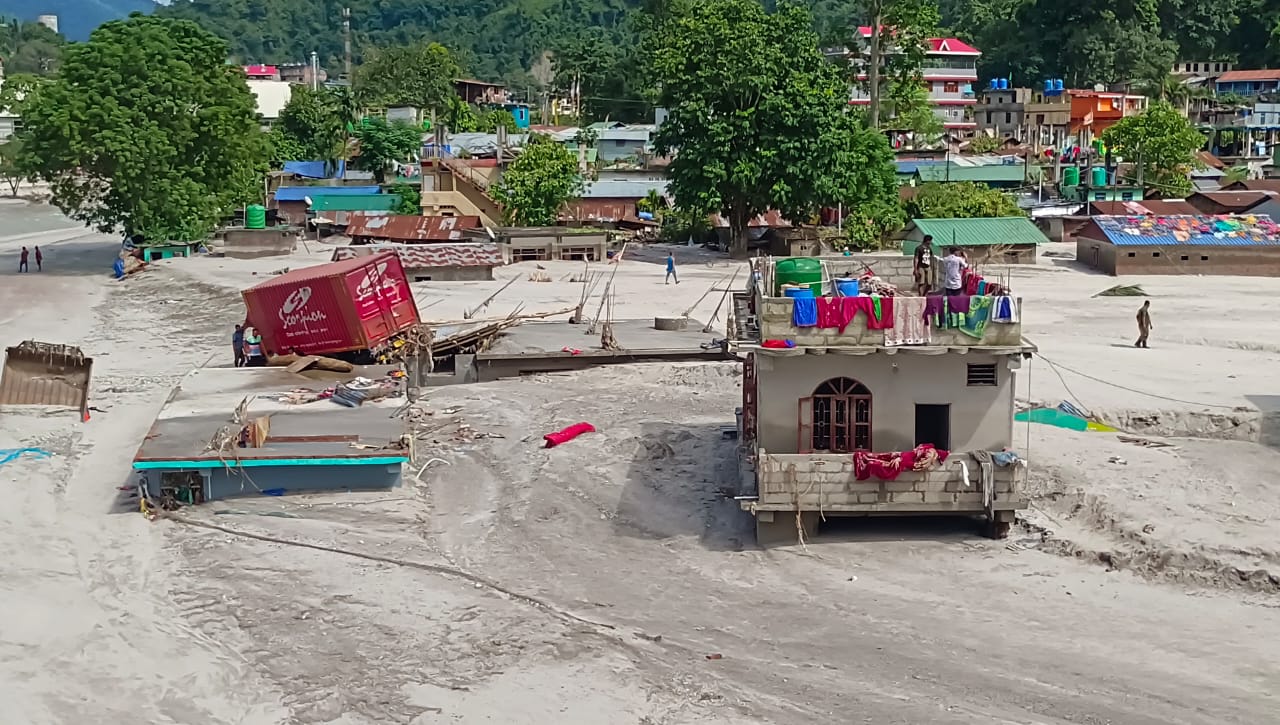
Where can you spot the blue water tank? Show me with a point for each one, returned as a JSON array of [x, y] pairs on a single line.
[[1004, 84], [995, 83], [1048, 87], [1057, 85]]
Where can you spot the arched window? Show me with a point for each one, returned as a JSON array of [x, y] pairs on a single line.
[[836, 418]]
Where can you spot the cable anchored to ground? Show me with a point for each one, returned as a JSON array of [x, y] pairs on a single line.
[[1087, 376]]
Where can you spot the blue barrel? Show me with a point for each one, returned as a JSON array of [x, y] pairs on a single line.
[[1057, 84], [795, 292], [848, 287], [1004, 84]]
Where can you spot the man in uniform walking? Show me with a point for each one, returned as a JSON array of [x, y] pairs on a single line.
[[1144, 324]]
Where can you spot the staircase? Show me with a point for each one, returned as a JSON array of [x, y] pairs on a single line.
[[458, 186]]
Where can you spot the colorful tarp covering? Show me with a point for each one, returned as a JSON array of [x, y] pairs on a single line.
[[1220, 231], [1059, 419]]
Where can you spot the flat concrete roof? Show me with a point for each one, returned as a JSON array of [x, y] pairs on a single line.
[[207, 397], [632, 336]]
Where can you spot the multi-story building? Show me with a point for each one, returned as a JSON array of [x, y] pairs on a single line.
[[1003, 111], [950, 70], [1066, 118]]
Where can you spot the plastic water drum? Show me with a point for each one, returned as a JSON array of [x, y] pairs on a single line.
[[1071, 176], [1098, 176], [255, 216], [848, 287], [797, 292], [804, 271]]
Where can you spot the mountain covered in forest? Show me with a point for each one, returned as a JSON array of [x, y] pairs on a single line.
[[76, 18]]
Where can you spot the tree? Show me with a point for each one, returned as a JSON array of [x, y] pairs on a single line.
[[10, 169], [900, 33], [910, 110], [410, 198], [316, 121], [29, 48], [382, 144], [18, 90], [985, 145], [420, 76], [871, 225], [759, 117], [538, 183], [1163, 143], [147, 128], [960, 200]]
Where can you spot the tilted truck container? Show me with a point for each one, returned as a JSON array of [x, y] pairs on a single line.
[[343, 307]]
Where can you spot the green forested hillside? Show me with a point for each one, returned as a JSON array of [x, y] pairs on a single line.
[[1084, 42]]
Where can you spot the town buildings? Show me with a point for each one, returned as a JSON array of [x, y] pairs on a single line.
[[989, 240], [1247, 245], [1248, 82], [950, 70], [833, 417], [1056, 120]]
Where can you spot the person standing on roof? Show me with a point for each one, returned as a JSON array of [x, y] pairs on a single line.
[[923, 265], [254, 356], [953, 266], [22, 260], [237, 345], [671, 269]]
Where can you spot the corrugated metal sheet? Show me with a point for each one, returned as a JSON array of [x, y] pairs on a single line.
[[623, 188], [379, 202], [353, 304], [1238, 202], [300, 193], [1255, 185], [981, 232], [1148, 207], [994, 173], [423, 256], [771, 219], [1200, 231], [41, 373], [599, 210], [410, 228]]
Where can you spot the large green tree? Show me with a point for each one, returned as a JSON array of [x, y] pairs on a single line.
[[538, 183], [147, 129], [1163, 142], [758, 117], [960, 200], [894, 54], [418, 75], [29, 47], [316, 120], [382, 144]]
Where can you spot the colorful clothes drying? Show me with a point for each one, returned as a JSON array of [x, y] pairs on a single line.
[[935, 310], [887, 466], [836, 312], [805, 312], [778, 344], [879, 311], [975, 322], [909, 327], [1005, 310]]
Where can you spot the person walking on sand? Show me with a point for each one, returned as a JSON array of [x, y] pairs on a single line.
[[671, 269], [1144, 324], [237, 344], [39, 259], [22, 260]]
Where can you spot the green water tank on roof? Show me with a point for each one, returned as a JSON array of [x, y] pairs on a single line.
[[255, 216], [1098, 176], [1071, 176], [804, 271]]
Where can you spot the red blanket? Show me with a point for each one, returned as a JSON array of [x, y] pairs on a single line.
[[887, 466], [568, 434]]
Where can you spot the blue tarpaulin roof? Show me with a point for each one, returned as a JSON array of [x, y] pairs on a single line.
[[314, 169], [1204, 231], [300, 193]]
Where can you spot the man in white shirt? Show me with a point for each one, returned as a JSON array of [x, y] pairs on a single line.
[[953, 266]]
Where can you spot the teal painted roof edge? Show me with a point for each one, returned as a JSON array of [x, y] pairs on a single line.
[[263, 462]]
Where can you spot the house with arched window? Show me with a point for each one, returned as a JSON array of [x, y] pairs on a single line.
[[859, 404]]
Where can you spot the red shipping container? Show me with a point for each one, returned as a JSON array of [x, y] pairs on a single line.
[[356, 304]]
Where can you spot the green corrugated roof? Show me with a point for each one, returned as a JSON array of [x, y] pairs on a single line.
[[373, 202], [993, 173], [979, 232]]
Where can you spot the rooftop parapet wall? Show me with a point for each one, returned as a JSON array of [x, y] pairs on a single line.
[[775, 318], [826, 482]]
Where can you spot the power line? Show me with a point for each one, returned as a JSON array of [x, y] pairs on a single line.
[[1055, 366]]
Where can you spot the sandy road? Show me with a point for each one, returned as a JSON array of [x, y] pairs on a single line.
[[90, 631]]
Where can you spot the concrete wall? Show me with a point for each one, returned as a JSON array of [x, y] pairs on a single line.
[[254, 243], [554, 246], [892, 268], [450, 274], [220, 483], [827, 483], [1239, 261], [981, 417], [775, 318]]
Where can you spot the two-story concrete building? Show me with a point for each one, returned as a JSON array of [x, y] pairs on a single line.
[[874, 406]]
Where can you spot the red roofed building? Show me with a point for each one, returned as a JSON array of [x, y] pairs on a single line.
[[950, 70]]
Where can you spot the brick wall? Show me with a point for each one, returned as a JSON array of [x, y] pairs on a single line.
[[825, 482]]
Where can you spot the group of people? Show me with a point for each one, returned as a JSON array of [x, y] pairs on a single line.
[[246, 343], [22, 260], [954, 266]]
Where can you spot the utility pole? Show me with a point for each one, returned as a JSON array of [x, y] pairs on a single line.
[[346, 42], [315, 71]]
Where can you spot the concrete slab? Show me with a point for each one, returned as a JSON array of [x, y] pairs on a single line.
[[632, 335]]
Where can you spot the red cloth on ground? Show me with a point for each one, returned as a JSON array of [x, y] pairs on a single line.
[[887, 466], [568, 434], [836, 312]]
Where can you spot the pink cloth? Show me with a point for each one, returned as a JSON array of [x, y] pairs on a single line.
[[568, 434], [836, 312]]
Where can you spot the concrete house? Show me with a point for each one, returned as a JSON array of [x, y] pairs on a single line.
[[818, 401], [1247, 245]]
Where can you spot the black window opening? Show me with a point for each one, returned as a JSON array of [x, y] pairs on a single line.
[[1155, 254], [933, 425], [1133, 254], [982, 374], [1204, 258], [836, 418], [1185, 258]]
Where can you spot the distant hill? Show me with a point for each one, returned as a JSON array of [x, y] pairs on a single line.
[[76, 18]]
